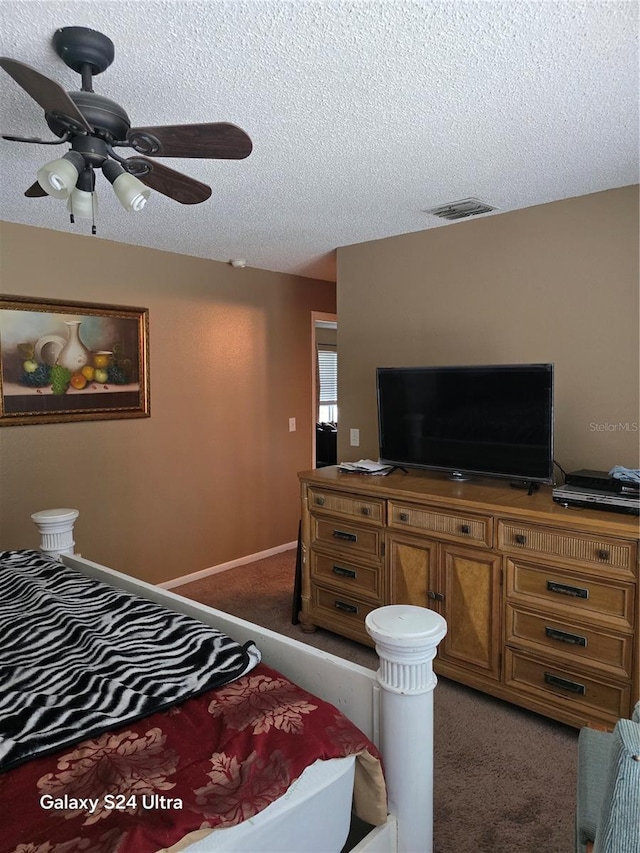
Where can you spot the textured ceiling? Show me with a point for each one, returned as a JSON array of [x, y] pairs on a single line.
[[362, 114]]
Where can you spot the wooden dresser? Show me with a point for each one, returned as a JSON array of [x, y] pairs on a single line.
[[542, 602]]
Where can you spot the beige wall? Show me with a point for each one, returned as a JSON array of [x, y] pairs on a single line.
[[211, 475], [554, 283]]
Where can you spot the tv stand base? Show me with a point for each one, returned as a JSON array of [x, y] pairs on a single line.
[[460, 477]]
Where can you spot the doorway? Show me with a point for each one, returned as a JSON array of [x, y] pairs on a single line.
[[324, 388]]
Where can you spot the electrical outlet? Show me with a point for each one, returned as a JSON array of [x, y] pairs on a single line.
[[292, 424], [354, 437]]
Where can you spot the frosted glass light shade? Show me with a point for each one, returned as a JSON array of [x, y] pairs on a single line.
[[132, 193], [83, 205], [58, 178]]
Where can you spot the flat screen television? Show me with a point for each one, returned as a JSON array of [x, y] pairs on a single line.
[[476, 420]]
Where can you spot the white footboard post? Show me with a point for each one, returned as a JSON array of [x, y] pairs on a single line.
[[406, 639], [56, 531]]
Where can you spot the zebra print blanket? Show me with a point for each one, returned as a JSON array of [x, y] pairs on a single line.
[[78, 657]]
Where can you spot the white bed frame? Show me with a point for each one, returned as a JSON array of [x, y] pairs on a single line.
[[393, 707]]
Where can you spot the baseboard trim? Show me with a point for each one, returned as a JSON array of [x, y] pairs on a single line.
[[223, 567]]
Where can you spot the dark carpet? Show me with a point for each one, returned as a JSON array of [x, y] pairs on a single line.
[[504, 777]]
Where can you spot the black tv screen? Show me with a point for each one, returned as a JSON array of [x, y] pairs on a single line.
[[487, 420]]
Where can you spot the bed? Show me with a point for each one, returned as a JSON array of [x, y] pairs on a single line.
[[318, 728]]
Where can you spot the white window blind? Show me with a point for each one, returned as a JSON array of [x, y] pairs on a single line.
[[327, 383]]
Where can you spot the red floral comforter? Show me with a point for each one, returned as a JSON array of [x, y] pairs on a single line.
[[211, 762]]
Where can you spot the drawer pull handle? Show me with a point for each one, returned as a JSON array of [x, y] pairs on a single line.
[[520, 539], [564, 683], [365, 510], [320, 501], [346, 608], [344, 573], [603, 554], [404, 516], [465, 528], [565, 637], [435, 596], [565, 589], [348, 537]]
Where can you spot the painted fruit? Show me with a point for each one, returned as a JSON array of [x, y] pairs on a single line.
[[101, 360], [78, 381], [88, 372], [26, 350], [101, 375], [30, 366]]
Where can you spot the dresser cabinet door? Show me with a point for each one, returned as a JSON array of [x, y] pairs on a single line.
[[461, 584], [470, 584], [413, 573]]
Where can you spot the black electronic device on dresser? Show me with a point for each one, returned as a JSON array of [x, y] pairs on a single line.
[[598, 490], [602, 481]]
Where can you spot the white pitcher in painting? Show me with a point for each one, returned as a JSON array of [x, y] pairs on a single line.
[[74, 354]]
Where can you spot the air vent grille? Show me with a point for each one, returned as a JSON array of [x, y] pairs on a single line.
[[460, 209]]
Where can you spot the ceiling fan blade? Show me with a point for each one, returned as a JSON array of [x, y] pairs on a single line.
[[49, 94], [221, 141], [64, 138], [35, 191], [167, 181]]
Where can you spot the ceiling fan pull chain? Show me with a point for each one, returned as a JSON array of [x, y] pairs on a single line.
[[94, 199]]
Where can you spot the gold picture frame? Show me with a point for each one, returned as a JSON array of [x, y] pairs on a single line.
[[72, 361]]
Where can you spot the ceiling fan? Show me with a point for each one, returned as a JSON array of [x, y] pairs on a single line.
[[95, 126]]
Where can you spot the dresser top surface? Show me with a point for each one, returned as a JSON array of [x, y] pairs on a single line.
[[484, 495]]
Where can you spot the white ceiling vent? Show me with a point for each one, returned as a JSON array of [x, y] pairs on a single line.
[[460, 209]]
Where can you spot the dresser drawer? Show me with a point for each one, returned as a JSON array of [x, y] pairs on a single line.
[[341, 613], [458, 527], [348, 577], [608, 651], [560, 685], [584, 550], [580, 597], [348, 538], [349, 506]]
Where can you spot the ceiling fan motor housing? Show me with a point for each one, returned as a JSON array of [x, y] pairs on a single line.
[[93, 149], [107, 118], [80, 46]]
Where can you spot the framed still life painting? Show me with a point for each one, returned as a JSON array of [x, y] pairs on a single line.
[[70, 361]]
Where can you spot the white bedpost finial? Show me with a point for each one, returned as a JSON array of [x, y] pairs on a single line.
[[406, 639], [56, 530]]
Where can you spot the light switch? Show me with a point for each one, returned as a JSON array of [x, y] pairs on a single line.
[[292, 424], [354, 436]]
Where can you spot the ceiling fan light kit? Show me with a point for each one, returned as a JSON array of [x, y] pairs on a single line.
[[83, 201], [59, 177], [94, 125], [82, 205], [131, 192]]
